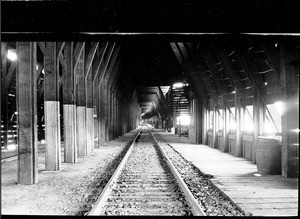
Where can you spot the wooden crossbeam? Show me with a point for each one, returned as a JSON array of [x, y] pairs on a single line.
[[104, 65], [42, 47], [114, 73], [90, 57], [228, 68], [98, 61], [77, 52], [212, 67], [112, 62], [199, 71]]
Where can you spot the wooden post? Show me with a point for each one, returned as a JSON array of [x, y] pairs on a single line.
[[290, 117], [81, 131], [258, 121], [96, 116], [215, 128], [226, 128], [89, 112], [51, 107], [204, 125], [4, 114], [27, 114], [239, 124], [69, 107], [102, 114]]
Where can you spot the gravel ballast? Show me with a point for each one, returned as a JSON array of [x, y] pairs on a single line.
[[213, 202]]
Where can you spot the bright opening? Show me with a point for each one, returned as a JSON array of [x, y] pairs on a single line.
[[178, 85], [184, 120], [280, 107], [12, 55], [11, 147]]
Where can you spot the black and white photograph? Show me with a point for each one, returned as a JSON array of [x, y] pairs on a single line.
[[149, 108]]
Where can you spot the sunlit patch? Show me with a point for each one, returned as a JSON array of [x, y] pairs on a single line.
[[43, 141], [178, 85], [183, 119], [280, 107], [12, 55], [11, 147], [256, 174]]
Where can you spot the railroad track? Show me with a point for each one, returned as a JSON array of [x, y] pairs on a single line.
[[145, 183]]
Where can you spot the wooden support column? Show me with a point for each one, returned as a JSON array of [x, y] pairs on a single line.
[[27, 116], [96, 111], [81, 131], [205, 121], [89, 111], [102, 114], [5, 118], [226, 122], [290, 118], [258, 121], [89, 97], [239, 124], [51, 107], [108, 113], [69, 107], [215, 127]]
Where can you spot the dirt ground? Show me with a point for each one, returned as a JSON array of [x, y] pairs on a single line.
[[63, 192]]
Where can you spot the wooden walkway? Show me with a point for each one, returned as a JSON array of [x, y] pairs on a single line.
[[271, 195]]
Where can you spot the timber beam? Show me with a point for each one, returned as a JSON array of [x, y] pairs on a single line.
[[27, 116], [52, 108]]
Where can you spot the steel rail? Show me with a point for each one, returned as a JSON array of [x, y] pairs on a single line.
[[195, 207], [97, 208]]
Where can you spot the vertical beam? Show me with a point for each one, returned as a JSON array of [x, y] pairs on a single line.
[[215, 128], [226, 128], [258, 121], [102, 114], [239, 123], [96, 111], [81, 131], [204, 125], [27, 116], [4, 114], [51, 107], [89, 111], [69, 107], [290, 118]]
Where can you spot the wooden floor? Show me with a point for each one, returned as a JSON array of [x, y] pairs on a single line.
[[271, 195]]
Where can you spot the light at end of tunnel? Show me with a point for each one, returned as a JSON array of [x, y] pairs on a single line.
[[280, 107], [11, 147], [178, 85], [256, 174], [12, 55]]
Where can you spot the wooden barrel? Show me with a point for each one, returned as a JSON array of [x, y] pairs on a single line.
[[268, 156]]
